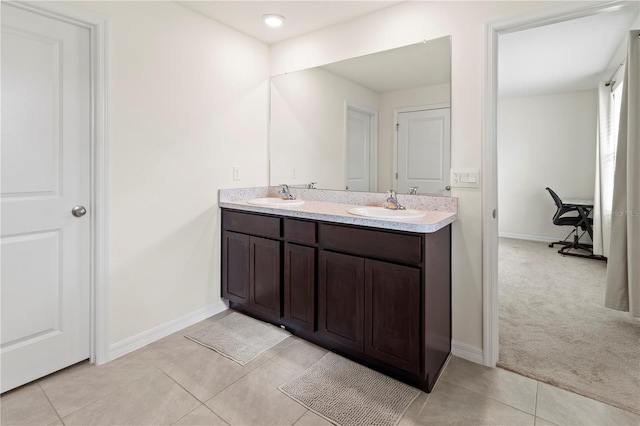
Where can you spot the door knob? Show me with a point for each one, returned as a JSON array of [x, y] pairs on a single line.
[[448, 188], [78, 211]]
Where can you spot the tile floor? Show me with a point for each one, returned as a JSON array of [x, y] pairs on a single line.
[[177, 382]]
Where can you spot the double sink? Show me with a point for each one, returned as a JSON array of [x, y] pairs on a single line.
[[365, 211]]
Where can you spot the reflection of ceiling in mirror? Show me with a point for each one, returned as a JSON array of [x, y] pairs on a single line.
[[421, 64]]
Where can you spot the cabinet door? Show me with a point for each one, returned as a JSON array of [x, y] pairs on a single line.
[[392, 314], [265, 276], [299, 285], [341, 299], [235, 267]]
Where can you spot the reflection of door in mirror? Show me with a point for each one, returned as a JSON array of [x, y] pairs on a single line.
[[361, 148], [423, 142]]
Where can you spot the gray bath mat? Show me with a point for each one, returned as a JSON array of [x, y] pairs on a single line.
[[239, 337], [346, 393]]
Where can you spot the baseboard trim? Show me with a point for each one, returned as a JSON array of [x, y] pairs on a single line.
[[468, 352], [529, 237], [132, 343]]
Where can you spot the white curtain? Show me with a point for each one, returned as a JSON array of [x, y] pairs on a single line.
[[623, 268], [609, 100]]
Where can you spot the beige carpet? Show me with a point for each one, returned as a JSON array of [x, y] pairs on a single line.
[[239, 337], [554, 327], [349, 394]]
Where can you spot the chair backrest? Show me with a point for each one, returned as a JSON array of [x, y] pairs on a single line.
[[560, 216], [555, 197]]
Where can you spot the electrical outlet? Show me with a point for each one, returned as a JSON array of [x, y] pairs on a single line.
[[294, 172], [236, 173]]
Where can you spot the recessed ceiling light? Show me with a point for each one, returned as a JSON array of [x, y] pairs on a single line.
[[273, 20]]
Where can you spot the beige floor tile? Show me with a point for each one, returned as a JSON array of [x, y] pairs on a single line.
[[151, 400], [566, 408], [27, 405], [412, 414], [256, 400], [543, 422], [502, 385], [450, 404], [204, 372], [299, 356], [78, 386], [163, 352], [312, 419], [201, 416], [280, 346]]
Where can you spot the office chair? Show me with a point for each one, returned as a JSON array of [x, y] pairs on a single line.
[[576, 216]]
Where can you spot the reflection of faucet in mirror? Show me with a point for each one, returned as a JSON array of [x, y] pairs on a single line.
[[413, 190], [284, 192], [392, 201]]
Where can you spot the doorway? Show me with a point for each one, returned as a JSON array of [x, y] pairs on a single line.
[[361, 148], [54, 219], [489, 157], [422, 149]]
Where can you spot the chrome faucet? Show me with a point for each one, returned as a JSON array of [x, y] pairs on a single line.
[[392, 201], [284, 192], [311, 185], [413, 190]]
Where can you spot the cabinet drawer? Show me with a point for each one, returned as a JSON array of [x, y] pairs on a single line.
[[371, 243], [248, 223], [300, 231]]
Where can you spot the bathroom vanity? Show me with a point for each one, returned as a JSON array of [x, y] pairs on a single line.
[[358, 287]]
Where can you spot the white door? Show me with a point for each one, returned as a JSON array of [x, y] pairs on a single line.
[[424, 151], [360, 155], [45, 174]]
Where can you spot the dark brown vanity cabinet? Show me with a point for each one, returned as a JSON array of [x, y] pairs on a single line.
[[299, 286], [341, 299], [251, 265], [392, 314], [300, 274], [370, 305], [377, 296]]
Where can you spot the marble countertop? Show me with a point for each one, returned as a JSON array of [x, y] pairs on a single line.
[[338, 213]]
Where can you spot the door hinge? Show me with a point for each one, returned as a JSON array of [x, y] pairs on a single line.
[[396, 175], [397, 126]]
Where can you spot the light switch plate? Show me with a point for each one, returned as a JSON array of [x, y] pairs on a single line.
[[236, 173], [465, 178]]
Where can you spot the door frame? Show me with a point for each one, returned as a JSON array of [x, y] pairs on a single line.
[[98, 26], [546, 16], [373, 141], [396, 111]]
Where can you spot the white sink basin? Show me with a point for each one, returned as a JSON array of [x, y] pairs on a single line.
[[275, 202], [382, 213]]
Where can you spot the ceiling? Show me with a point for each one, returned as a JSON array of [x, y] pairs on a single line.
[[566, 56], [421, 64], [302, 16]]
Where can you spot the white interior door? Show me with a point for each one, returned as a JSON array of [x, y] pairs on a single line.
[[424, 151], [360, 156], [45, 163]]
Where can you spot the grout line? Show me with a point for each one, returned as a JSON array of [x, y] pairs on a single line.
[[535, 407], [303, 414], [486, 396], [50, 403]]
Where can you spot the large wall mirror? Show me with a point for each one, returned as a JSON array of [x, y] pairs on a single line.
[[370, 123]]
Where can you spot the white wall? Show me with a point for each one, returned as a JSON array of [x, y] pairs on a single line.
[[408, 23], [421, 96], [308, 125], [546, 140], [188, 101]]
